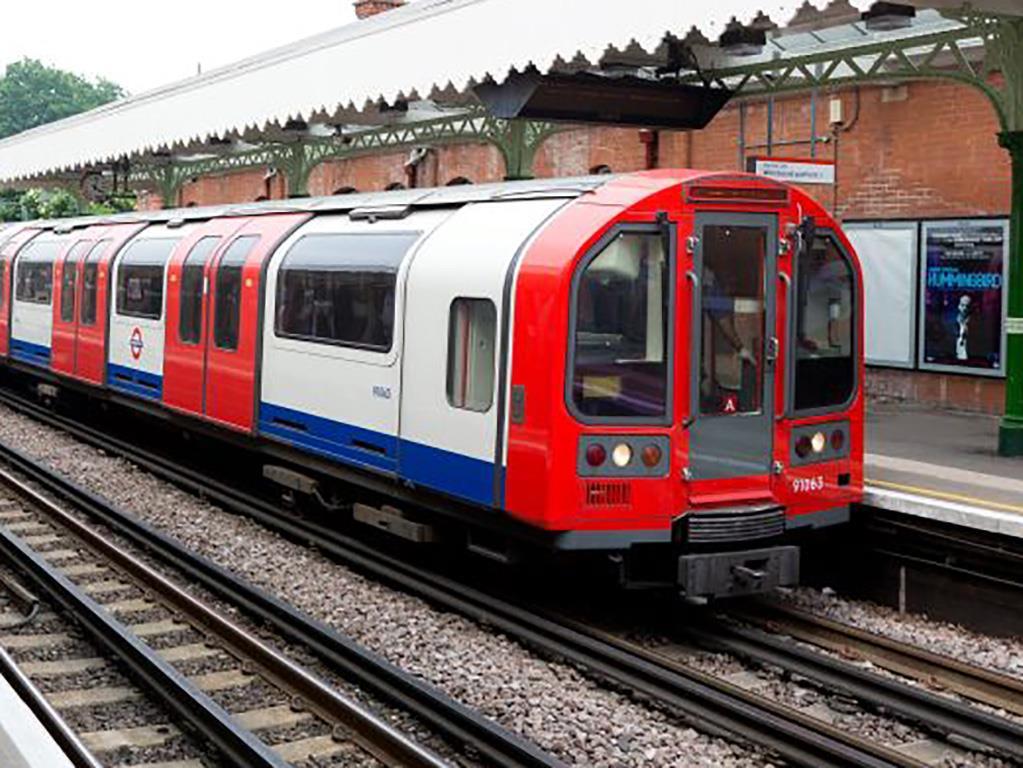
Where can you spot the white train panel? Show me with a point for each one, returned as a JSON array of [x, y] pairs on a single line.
[[332, 336], [453, 318], [138, 287], [32, 300]]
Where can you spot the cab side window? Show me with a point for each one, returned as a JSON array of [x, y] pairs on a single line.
[[472, 335]]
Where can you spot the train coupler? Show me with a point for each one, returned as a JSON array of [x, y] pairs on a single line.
[[733, 574]]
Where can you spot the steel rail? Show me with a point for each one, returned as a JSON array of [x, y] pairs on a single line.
[[173, 688], [954, 719], [932, 669], [61, 733], [389, 744], [443, 713], [711, 705]]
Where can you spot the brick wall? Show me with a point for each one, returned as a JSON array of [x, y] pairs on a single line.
[[923, 149]]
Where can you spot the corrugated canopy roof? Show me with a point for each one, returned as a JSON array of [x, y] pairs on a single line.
[[429, 49]]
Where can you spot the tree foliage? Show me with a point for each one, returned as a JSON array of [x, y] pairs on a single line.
[[33, 94], [38, 203]]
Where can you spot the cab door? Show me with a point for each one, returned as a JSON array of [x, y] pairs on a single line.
[[734, 349]]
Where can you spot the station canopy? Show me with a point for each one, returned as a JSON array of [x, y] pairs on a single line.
[[447, 57]]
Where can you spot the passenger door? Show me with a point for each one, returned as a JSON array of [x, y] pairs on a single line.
[[66, 284], [734, 347], [94, 301], [188, 281]]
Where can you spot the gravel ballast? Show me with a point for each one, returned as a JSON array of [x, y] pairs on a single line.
[[999, 654], [550, 703]]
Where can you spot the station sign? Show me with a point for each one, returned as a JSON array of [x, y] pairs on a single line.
[[963, 274], [793, 170]]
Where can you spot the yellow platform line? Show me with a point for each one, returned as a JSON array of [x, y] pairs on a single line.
[[947, 496]]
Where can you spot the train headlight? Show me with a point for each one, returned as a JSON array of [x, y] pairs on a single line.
[[818, 442], [621, 455]]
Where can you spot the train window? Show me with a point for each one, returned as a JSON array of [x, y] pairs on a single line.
[[733, 319], [140, 274], [825, 369], [69, 281], [90, 284], [227, 303], [620, 366], [34, 272], [340, 289], [192, 281], [472, 334]]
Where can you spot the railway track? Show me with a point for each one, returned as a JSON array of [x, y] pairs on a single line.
[[480, 737], [252, 705], [935, 671], [709, 704]]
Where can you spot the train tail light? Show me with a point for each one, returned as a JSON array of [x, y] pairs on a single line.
[[651, 456], [596, 455], [818, 442], [837, 440], [804, 446]]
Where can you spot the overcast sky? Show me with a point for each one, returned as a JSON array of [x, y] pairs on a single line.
[[141, 45]]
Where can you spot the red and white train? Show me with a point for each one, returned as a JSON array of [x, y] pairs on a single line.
[[665, 367]]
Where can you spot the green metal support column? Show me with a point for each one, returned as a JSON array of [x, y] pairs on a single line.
[[1010, 441], [1007, 46]]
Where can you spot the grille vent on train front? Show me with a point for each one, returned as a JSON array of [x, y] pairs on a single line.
[[734, 524], [605, 493]]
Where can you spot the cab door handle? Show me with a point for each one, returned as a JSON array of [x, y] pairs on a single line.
[[772, 350]]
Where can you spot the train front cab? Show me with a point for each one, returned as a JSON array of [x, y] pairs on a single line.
[[712, 407]]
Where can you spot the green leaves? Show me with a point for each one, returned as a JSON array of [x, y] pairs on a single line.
[[33, 94], [37, 203]]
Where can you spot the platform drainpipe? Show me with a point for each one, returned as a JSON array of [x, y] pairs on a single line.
[[1010, 440], [652, 141]]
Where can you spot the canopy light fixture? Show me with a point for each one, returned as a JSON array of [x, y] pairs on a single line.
[[889, 17], [587, 97], [740, 40]]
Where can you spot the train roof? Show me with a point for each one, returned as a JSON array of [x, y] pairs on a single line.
[[394, 204]]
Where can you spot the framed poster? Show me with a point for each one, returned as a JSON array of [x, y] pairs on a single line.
[[888, 253], [963, 278]]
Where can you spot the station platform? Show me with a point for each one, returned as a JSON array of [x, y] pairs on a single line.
[[24, 741], [942, 465]]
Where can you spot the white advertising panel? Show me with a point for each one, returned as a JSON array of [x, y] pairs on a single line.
[[888, 255]]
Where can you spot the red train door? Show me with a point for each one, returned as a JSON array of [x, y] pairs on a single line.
[[232, 335], [94, 302], [67, 278], [188, 279], [7, 254]]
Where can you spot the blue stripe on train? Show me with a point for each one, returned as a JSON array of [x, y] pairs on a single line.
[[27, 352], [139, 383], [325, 437], [440, 470]]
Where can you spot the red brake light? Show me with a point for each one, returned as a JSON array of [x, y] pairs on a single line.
[[596, 455], [804, 446], [837, 440], [651, 456]]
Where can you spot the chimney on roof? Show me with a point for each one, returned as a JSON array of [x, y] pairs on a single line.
[[366, 8]]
